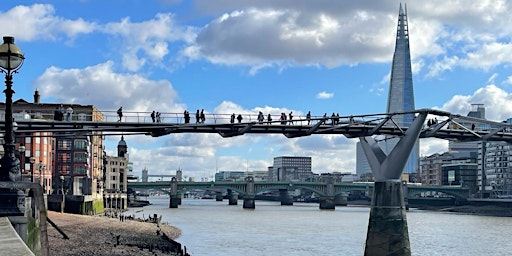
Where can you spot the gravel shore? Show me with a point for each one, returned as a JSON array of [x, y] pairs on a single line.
[[94, 235]]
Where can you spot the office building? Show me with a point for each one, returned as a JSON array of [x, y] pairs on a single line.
[[289, 168]]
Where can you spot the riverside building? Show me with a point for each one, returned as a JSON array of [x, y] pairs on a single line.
[[59, 161], [288, 168]]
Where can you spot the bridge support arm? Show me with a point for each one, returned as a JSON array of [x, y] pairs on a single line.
[[390, 167]]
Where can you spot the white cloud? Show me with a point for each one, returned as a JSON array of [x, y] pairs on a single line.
[[147, 42], [100, 86], [497, 102], [38, 21], [324, 95]]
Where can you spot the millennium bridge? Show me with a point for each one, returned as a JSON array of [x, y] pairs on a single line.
[[387, 224]]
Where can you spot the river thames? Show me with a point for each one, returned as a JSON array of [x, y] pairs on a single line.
[[216, 228]]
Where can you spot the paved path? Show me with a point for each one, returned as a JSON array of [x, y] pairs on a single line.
[[10, 242]]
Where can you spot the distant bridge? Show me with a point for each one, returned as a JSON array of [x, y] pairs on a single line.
[[320, 188]]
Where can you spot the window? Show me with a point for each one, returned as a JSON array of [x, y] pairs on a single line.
[[81, 157], [28, 140], [64, 157], [64, 144], [81, 144]]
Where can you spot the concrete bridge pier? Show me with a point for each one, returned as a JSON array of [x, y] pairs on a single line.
[[174, 201], [340, 200], [286, 198], [387, 228], [218, 196], [249, 202], [326, 203], [232, 197], [174, 197], [249, 198]]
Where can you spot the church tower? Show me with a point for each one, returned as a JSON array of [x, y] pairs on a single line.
[[122, 148]]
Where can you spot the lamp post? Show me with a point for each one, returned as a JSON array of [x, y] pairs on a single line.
[[32, 160], [11, 59], [62, 192], [22, 149]]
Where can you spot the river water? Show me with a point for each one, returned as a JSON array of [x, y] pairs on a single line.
[[216, 228]]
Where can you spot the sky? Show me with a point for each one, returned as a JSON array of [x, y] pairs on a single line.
[[240, 56]]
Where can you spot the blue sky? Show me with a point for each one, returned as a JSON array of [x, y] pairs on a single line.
[[248, 56]]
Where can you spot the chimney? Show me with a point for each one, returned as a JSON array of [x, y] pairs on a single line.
[[36, 97]]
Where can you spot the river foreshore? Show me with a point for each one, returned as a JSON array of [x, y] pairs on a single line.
[[98, 236]]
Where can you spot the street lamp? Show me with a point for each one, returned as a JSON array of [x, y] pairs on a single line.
[[62, 192], [32, 160], [22, 149], [11, 59]]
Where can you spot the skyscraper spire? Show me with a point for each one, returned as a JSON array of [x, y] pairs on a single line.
[[401, 91]]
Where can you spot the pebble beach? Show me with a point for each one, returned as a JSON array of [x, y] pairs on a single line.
[[95, 235]]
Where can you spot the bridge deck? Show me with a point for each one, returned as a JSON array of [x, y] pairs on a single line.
[[453, 127]]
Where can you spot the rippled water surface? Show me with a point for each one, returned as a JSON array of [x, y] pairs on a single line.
[[216, 228]]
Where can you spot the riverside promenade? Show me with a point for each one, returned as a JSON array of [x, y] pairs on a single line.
[[98, 236], [11, 243]]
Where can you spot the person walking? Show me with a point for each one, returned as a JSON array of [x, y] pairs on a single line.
[[186, 116], [120, 114], [203, 117], [239, 118], [158, 119], [260, 117], [308, 117], [69, 112], [197, 117], [269, 119], [153, 116], [291, 118], [232, 119]]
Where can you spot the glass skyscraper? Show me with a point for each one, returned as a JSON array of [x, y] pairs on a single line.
[[400, 97], [401, 92]]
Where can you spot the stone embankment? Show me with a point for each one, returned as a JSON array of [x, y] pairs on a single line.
[[95, 236]]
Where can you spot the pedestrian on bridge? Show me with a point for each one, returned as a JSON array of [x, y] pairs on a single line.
[[153, 116], [308, 117], [202, 116], [269, 119], [260, 117], [291, 117], [232, 120], [239, 118], [69, 112], [197, 117], [186, 115], [120, 114]]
